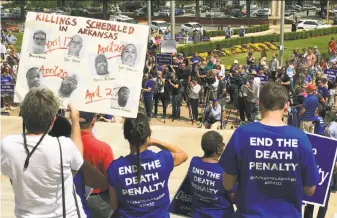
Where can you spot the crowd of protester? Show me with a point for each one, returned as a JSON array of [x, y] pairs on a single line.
[[54, 153], [10, 57]]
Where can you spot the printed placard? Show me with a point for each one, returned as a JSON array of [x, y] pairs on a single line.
[[164, 59], [7, 89], [82, 60], [331, 74], [263, 79], [325, 151]]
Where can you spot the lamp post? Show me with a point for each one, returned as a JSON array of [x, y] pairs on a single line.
[[282, 33], [149, 16], [173, 18]]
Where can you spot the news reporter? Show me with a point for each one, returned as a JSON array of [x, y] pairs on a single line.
[[36, 177], [139, 181], [209, 199]]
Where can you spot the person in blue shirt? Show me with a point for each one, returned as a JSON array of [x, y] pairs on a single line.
[[319, 123], [138, 182], [271, 163], [242, 32], [87, 175], [308, 109], [322, 90], [147, 86], [194, 61], [209, 197]]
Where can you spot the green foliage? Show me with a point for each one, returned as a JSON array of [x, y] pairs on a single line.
[[188, 50]]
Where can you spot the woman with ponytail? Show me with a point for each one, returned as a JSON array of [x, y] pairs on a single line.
[[138, 182]]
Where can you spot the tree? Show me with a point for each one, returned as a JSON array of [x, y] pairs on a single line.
[[22, 10], [197, 9], [105, 9], [248, 2]]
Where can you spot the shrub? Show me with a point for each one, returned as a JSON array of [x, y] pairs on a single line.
[[188, 50]]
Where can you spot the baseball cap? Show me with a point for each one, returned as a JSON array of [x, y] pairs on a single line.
[[86, 116], [315, 46], [311, 87], [235, 61], [215, 100], [221, 73]]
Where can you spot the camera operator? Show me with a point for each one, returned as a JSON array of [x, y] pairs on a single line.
[[252, 98], [201, 72], [175, 96], [213, 113], [185, 76], [221, 95], [211, 86], [159, 94], [194, 98], [235, 83]]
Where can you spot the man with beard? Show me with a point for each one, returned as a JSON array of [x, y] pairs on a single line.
[[75, 46], [39, 39], [123, 96], [129, 55], [33, 78], [68, 85], [101, 65]]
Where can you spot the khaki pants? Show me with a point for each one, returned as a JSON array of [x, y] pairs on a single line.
[[308, 126]]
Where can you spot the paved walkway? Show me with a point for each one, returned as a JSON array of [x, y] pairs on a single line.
[[187, 138]]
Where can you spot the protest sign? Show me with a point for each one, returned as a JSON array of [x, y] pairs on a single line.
[[164, 59], [168, 46], [182, 200], [325, 151], [331, 74], [179, 37], [7, 89], [206, 39], [96, 65], [263, 79]]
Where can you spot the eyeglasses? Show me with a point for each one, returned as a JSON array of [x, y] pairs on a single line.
[[40, 39]]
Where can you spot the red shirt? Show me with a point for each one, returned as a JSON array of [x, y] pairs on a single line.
[[98, 153]]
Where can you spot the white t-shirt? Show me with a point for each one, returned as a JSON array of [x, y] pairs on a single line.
[[38, 189]]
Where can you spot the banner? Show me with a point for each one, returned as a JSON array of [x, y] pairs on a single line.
[[7, 89], [96, 65], [331, 74], [182, 200], [325, 151], [164, 59], [263, 79], [168, 46]]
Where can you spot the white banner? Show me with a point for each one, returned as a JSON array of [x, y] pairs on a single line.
[[97, 65]]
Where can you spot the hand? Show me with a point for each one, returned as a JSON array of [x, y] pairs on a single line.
[[74, 114]]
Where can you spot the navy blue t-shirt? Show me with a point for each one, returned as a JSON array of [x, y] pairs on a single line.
[[148, 84], [273, 164], [319, 125], [310, 104], [80, 190], [323, 91], [150, 198], [209, 198]]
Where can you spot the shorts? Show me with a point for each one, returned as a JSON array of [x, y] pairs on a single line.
[[222, 102]]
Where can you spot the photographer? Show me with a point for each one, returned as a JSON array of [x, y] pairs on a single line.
[[221, 94], [213, 113], [201, 72], [184, 75], [235, 83], [194, 98], [175, 95], [159, 94]]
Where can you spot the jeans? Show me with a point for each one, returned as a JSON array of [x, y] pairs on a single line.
[[99, 205], [162, 98], [176, 106], [309, 209], [148, 106], [242, 108], [252, 111], [194, 108]]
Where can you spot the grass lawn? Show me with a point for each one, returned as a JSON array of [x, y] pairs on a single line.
[[320, 41], [19, 37]]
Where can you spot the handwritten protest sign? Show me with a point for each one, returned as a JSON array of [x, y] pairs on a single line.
[[7, 89], [95, 64], [325, 151], [331, 74], [164, 59], [168, 46]]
